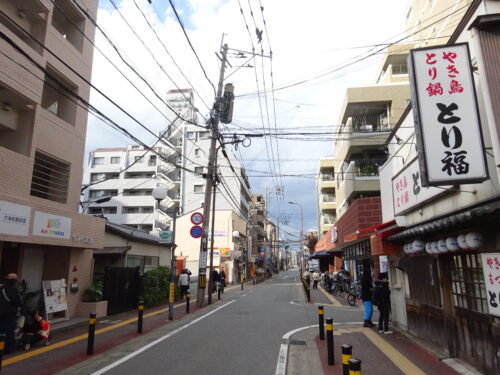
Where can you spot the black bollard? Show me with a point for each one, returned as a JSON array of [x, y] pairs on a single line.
[[140, 313], [3, 337], [354, 366], [329, 341], [188, 297], [321, 316], [346, 356], [90, 341]]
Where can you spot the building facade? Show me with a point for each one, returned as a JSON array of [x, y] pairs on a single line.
[[42, 137], [449, 231], [327, 207]]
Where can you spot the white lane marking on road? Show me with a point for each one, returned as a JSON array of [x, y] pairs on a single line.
[[157, 341], [283, 354]]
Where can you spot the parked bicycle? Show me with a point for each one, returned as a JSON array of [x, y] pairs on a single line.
[[354, 295], [341, 284]]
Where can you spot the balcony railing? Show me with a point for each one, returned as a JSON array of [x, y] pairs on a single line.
[[329, 219], [328, 198], [367, 167], [368, 124], [328, 177]]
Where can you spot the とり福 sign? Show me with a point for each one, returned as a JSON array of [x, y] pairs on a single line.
[[449, 139]]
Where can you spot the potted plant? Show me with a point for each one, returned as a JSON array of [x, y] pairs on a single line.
[[92, 301]]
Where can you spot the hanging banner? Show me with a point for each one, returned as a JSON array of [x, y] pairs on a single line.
[[449, 138], [491, 272]]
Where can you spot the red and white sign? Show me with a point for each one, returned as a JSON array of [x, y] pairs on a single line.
[[491, 271], [197, 218], [447, 125], [407, 189]]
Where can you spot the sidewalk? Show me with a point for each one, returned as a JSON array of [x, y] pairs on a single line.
[[69, 340], [379, 353]]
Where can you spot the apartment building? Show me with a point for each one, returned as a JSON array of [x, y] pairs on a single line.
[[119, 184], [42, 137], [325, 184]]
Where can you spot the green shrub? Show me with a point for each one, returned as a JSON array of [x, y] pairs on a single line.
[[156, 285], [94, 292]]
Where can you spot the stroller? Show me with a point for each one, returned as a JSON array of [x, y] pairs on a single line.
[[31, 328]]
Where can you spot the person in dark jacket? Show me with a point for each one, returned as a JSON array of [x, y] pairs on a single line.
[[215, 280], [382, 298], [367, 292], [10, 300]]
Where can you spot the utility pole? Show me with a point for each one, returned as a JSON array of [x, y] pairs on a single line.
[[202, 270]]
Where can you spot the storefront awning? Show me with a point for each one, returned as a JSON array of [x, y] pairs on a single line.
[[321, 255]]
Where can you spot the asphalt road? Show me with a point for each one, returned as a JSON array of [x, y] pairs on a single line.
[[237, 336]]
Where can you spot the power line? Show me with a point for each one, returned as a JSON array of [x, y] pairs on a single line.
[[191, 45]]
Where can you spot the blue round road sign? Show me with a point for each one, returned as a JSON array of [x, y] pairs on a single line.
[[196, 231]]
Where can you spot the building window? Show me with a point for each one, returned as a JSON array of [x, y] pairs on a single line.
[[196, 152], [139, 159], [136, 147], [115, 160], [152, 161], [198, 171], [98, 161], [50, 178], [467, 280], [191, 135], [137, 192], [103, 193], [101, 210], [94, 177], [56, 100], [139, 175], [62, 11], [137, 209], [199, 188], [204, 135], [16, 122]]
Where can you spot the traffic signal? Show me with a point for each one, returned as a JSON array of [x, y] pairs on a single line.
[[227, 102], [286, 247]]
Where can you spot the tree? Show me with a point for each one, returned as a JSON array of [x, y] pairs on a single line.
[[311, 241]]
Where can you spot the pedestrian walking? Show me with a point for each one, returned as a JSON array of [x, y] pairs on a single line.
[[382, 298], [215, 280], [10, 300], [367, 292], [222, 276], [184, 283], [315, 277]]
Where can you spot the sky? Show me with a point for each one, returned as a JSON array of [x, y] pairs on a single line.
[[317, 52]]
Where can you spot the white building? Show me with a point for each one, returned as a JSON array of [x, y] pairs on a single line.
[[129, 175]]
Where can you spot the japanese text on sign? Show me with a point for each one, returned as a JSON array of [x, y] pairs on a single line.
[[491, 271], [448, 126]]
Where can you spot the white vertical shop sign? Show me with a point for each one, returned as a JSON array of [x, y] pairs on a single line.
[[491, 271], [408, 191], [14, 219], [447, 125], [48, 225]]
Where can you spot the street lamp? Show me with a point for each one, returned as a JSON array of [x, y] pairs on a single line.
[[301, 235], [159, 193]]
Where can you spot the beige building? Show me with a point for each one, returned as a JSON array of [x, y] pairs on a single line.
[[327, 206], [230, 243], [367, 117], [42, 139]]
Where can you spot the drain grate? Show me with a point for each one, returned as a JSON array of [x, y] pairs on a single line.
[[297, 342]]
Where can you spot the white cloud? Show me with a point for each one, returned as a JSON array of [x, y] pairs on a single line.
[[307, 38]]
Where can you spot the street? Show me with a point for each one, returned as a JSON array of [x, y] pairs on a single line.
[[241, 335]]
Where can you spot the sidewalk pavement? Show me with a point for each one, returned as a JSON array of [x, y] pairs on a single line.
[[379, 353]]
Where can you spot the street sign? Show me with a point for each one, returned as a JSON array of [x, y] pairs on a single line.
[[165, 236], [196, 231], [197, 218]]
